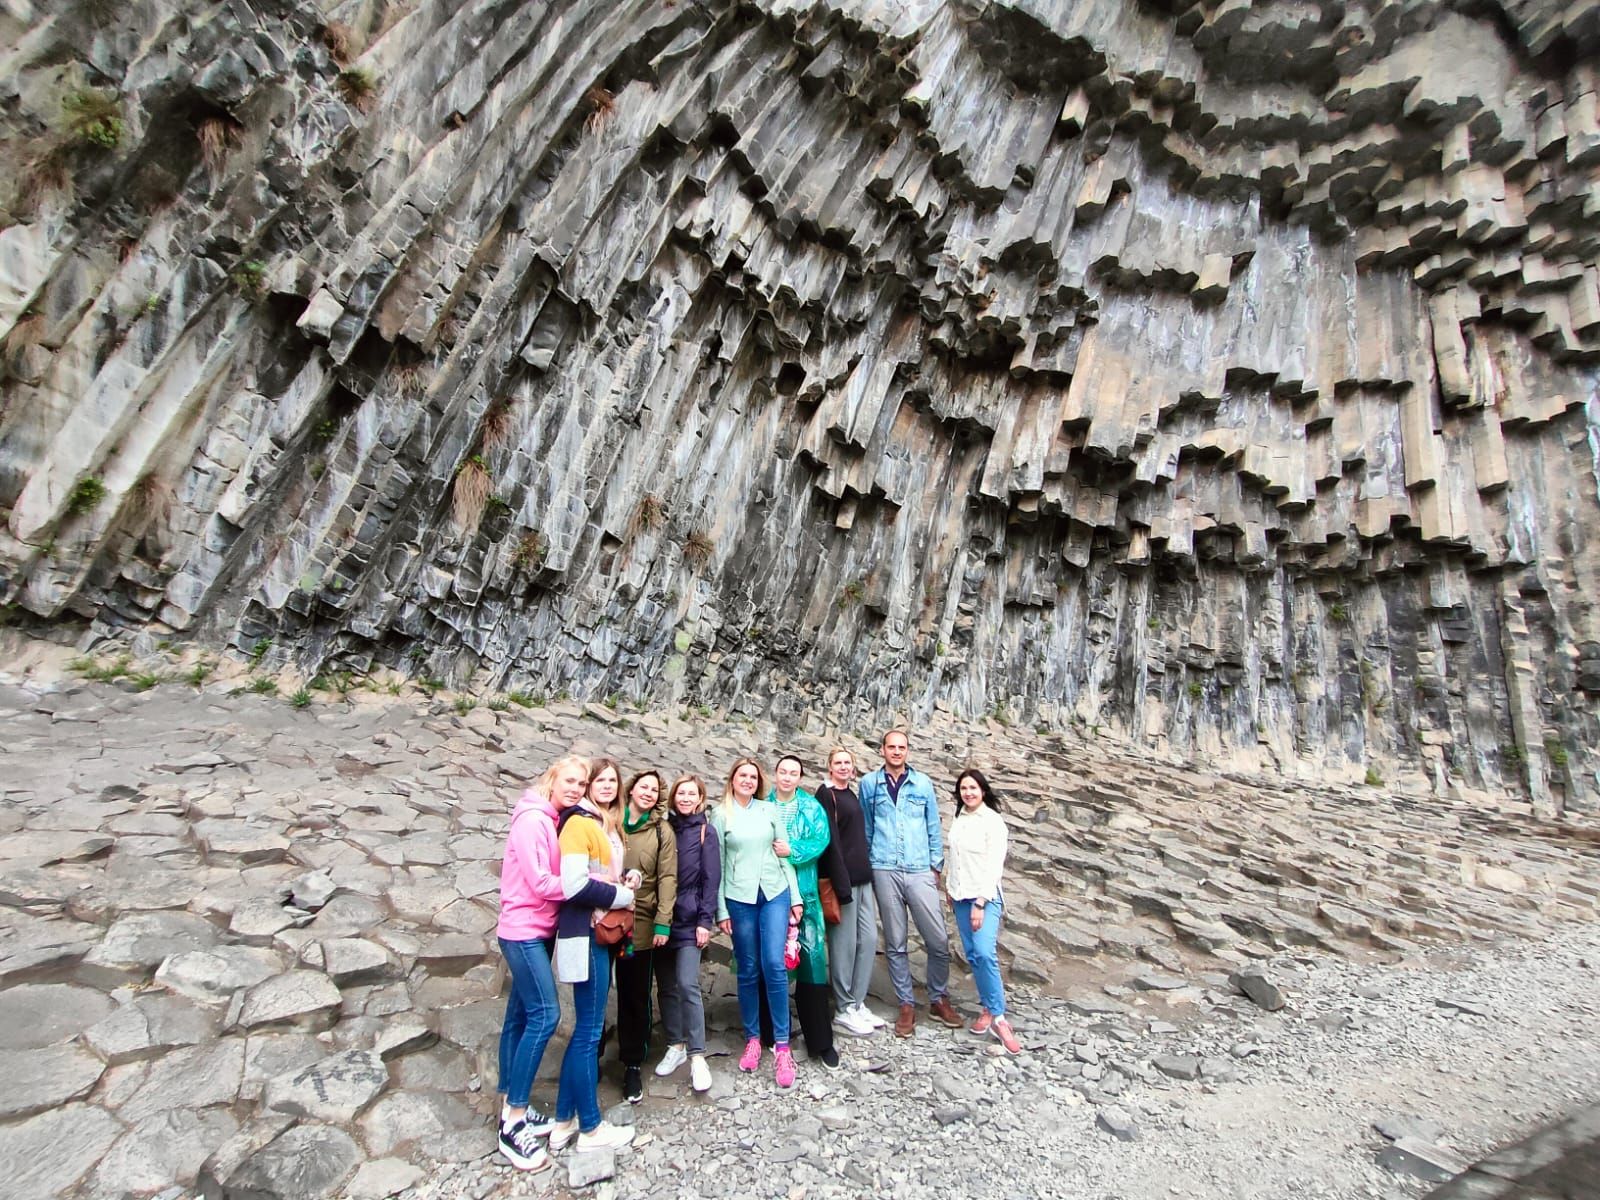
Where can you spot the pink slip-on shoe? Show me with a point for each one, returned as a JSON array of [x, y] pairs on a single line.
[[783, 1068], [751, 1058]]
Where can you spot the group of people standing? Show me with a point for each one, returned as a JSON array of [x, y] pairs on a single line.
[[641, 877]]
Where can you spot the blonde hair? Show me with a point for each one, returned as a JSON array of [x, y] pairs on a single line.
[[545, 785], [835, 752], [682, 781], [610, 814], [727, 788]]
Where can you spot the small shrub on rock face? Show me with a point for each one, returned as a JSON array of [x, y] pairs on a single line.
[[471, 493], [250, 277], [601, 105], [698, 548], [86, 496], [217, 136], [530, 552], [359, 88], [1373, 778], [95, 118], [340, 40]]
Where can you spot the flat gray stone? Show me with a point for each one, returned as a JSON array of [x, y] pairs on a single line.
[[257, 920], [1117, 1123], [1254, 983], [136, 944], [45, 1014], [1405, 1125], [347, 915], [312, 890], [225, 842], [194, 1077], [32, 1081], [401, 1037], [349, 961], [1178, 1066], [256, 1133], [402, 1117], [300, 999], [46, 1155], [453, 954], [382, 1178], [306, 1162], [212, 976], [146, 1027], [584, 1170], [162, 1151], [333, 1090], [271, 1054], [1461, 1004]]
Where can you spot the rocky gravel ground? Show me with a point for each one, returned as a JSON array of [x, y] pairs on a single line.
[[1453, 1051], [246, 950]]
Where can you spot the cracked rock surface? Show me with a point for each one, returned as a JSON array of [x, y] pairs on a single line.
[[1220, 374]]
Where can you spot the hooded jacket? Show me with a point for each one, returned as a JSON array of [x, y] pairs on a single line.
[[653, 852], [530, 874]]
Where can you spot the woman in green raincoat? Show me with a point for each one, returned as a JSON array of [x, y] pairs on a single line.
[[807, 825]]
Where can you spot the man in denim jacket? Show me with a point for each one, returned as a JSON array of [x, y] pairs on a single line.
[[906, 849]]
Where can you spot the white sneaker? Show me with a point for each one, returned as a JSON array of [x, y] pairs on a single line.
[[605, 1136], [871, 1017], [852, 1022], [562, 1133], [674, 1058], [699, 1074]]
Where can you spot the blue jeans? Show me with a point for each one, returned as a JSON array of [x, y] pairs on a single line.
[[532, 1012], [580, 1066], [979, 948], [759, 931]]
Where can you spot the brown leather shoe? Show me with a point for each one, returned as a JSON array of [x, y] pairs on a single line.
[[942, 1011], [906, 1021]]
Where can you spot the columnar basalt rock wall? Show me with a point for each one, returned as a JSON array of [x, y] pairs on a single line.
[[1219, 376]]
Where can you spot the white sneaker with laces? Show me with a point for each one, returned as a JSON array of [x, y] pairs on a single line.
[[562, 1133], [520, 1146], [674, 1058], [871, 1017], [605, 1136], [699, 1074]]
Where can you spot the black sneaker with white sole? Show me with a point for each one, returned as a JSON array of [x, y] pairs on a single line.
[[632, 1085], [520, 1145], [537, 1121]]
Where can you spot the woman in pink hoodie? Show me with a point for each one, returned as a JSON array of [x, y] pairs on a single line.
[[530, 900]]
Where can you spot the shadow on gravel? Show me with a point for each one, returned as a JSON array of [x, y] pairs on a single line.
[[1560, 1162]]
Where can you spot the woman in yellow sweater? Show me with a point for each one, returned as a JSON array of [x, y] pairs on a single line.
[[591, 861]]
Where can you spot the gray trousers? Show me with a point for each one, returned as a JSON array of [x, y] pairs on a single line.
[[683, 1012], [852, 945], [918, 892]]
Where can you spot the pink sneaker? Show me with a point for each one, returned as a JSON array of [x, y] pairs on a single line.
[[751, 1058], [783, 1068]]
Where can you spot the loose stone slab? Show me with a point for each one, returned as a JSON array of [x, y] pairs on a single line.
[[164, 1150], [301, 999], [334, 1090], [382, 1178], [46, 1155], [32, 1081], [1117, 1123], [453, 954], [33, 1015], [240, 843], [349, 961], [146, 1027], [212, 976], [1262, 991], [306, 1162], [138, 943], [1421, 1159], [194, 1077], [256, 920]]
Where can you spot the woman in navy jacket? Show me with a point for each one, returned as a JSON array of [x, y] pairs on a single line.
[[694, 919]]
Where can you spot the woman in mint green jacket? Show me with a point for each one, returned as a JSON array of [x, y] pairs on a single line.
[[754, 904]]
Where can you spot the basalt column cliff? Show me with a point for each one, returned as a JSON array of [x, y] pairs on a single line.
[[1218, 376]]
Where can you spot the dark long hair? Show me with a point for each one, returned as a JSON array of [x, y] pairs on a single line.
[[978, 777]]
